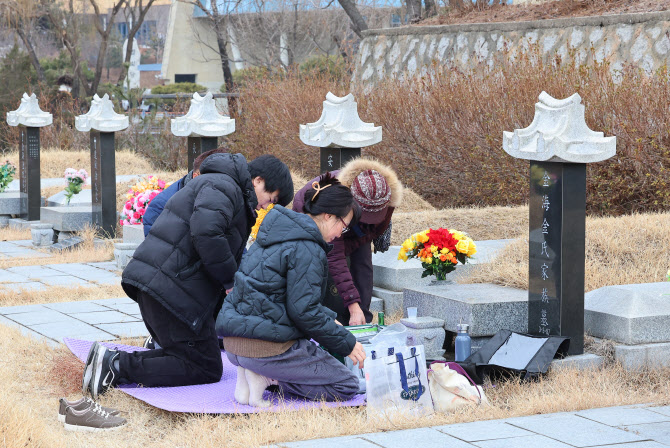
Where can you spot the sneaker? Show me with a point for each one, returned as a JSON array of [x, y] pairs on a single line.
[[149, 343], [88, 368], [80, 405], [92, 418], [105, 375]]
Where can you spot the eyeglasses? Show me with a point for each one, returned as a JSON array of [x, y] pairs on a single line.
[[346, 227]]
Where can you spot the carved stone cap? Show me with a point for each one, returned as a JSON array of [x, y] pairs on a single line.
[[101, 117], [559, 133], [29, 114], [202, 119], [340, 126]]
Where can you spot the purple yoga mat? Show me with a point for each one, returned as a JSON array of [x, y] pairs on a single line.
[[216, 398]]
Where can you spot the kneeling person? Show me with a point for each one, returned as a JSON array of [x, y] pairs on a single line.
[[181, 272], [275, 307]]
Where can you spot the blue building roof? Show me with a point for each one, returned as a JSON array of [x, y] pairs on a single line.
[[150, 67]]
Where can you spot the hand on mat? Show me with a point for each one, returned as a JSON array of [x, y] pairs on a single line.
[[357, 355], [356, 314]]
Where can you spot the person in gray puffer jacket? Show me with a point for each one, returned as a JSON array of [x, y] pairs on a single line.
[[275, 307]]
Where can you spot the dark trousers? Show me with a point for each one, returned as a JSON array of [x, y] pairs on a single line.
[[185, 357], [360, 266]]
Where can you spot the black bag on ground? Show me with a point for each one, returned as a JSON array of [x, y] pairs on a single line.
[[514, 354]]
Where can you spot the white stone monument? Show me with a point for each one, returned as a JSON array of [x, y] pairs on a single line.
[[339, 132], [29, 114], [203, 125], [133, 76], [202, 119], [101, 117]]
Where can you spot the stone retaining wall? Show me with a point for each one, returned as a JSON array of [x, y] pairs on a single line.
[[639, 39]]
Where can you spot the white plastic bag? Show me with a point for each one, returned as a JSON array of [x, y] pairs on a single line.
[[397, 381], [451, 390]]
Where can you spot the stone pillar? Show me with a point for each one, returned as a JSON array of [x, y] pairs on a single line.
[[30, 118], [102, 123], [427, 331], [203, 125], [558, 144], [339, 132]]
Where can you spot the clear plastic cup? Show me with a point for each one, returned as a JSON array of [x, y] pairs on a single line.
[[411, 312]]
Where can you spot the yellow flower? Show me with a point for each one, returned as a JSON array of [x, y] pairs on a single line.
[[462, 246], [458, 235], [429, 260], [473, 248], [408, 245], [422, 237], [433, 249], [444, 251], [402, 256]]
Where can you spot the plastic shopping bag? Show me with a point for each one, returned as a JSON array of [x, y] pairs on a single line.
[[397, 381], [452, 388]]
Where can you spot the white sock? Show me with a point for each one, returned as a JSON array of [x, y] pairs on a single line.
[[241, 387], [257, 385]]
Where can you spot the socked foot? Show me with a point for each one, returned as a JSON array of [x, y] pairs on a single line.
[[241, 387], [257, 385]]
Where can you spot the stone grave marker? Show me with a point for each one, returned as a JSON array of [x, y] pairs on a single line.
[[339, 132], [558, 144], [102, 123], [203, 125], [30, 118]]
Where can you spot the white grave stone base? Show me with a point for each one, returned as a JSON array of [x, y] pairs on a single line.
[[29, 114], [427, 331], [101, 117]]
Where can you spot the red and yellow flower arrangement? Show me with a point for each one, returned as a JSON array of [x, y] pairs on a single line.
[[439, 250]]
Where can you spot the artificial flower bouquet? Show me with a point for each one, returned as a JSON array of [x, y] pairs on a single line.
[[261, 215], [7, 172], [138, 198], [439, 250], [75, 179]]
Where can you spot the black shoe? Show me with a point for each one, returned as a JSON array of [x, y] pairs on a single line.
[[105, 375], [88, 368], [221, 344], [149, 343]]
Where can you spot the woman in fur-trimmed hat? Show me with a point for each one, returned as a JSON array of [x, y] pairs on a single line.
[[378, 191]]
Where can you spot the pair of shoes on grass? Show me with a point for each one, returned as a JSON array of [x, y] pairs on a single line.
[[100, 373], [87, 415], [250, 386]]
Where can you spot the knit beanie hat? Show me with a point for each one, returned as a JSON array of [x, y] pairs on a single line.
[[372, 192]]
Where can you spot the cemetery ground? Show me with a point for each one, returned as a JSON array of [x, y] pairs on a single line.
[[34, 374]]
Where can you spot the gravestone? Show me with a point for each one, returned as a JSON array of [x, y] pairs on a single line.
[[203, 125], [339, 132], [102, 123], [558, 144], [30, 118]]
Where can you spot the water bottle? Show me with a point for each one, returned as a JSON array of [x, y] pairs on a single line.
[[462, 343]]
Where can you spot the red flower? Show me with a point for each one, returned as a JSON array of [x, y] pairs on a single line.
[[441, 238], [137, 215]]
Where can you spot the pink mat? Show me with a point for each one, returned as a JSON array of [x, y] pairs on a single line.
[[214, 398]]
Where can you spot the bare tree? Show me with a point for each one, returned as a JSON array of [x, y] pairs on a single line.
[[358, 24], [20, 15], [135, 11], [65, 22]]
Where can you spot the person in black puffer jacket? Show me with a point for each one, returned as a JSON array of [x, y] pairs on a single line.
[[184, 268], [275, 307]]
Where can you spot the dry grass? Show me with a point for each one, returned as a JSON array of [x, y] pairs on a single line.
[[7, 234], [57, 294], [30, 394], [619, 251], [85, 253], [53, 162], [481, 223]]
